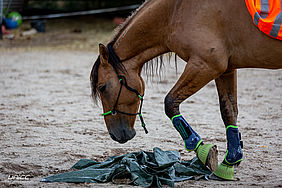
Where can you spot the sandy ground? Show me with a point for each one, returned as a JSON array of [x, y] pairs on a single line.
[[48, 121], [76, 33]]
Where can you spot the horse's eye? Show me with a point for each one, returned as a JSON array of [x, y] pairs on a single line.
[[102, 88]]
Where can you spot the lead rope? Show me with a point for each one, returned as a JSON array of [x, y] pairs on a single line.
[[115, 111], [140, 115]]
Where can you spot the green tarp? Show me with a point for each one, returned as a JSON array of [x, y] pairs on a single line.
[[157, 168]]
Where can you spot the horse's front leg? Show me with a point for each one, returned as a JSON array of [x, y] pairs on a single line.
[[197, 74], [227, 91]]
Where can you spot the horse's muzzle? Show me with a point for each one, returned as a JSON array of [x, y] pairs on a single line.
[[122, 135]]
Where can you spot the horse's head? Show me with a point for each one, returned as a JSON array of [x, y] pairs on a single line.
[[118, 87]]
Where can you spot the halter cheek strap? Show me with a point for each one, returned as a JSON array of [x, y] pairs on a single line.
[[114, 111]]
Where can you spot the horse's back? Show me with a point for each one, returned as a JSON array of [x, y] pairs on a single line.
[[226, 28], [249, 46]]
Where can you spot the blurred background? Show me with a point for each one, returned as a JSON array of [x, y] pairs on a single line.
[[61, 24]]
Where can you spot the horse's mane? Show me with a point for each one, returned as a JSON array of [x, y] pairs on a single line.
[[94, 80], [124, 25], [150, 68]]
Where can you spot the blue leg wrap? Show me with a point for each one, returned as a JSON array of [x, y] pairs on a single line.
[[234, 154], [191, 139]]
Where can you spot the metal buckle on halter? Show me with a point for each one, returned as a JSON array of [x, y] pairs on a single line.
[[114, 112]]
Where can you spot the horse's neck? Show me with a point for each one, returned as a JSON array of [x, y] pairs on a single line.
[[143, 37]]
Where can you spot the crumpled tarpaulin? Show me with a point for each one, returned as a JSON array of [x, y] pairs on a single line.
[[157, 168], [267, 16]]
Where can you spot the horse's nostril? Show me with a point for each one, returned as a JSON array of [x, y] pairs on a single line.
[[113, 137], [123, 133]]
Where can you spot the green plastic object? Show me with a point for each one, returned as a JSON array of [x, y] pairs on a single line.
[[15, 16], [106, 113], [203, 151], [158, 168], [225, 172]]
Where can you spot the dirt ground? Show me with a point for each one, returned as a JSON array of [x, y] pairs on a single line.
[[48, 120]]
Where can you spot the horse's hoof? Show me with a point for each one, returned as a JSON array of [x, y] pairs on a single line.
[[224, 172], [207, 153]]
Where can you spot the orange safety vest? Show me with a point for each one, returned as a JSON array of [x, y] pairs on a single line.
[[267, 16]]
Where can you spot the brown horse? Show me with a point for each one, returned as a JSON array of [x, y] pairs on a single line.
[[214, 37]]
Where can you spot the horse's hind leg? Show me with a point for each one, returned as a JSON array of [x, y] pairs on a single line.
[[197, 74], [227, 92]]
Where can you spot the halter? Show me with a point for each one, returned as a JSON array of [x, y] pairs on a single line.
[[122, 81]]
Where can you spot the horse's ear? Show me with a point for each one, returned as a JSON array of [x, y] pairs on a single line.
[[103, 52]]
